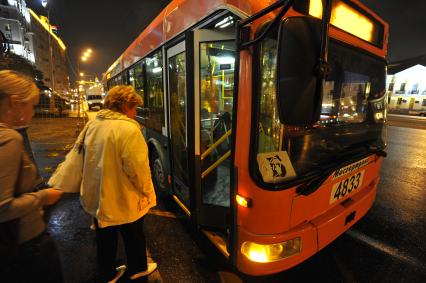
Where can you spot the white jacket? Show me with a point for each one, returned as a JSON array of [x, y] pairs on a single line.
[[116, 186]]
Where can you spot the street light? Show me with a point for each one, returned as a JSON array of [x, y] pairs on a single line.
[[87, 53]]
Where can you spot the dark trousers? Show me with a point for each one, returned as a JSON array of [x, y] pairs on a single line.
[[134, 245], [36, 261]]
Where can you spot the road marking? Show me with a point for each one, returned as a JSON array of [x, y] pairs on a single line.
[[384, 248]]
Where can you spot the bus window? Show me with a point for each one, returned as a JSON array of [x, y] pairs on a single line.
[[155, 92], [424, 102], [132, 77], [347, 92], [269, 123], [125, 78], [136, 79], [115, 81], [216, 89]]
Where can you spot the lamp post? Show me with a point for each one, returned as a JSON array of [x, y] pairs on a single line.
[[45, 4], [86, 55]]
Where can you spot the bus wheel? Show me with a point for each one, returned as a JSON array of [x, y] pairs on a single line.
[[158, 173]]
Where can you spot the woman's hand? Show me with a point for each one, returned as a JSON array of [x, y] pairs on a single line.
[[53, 195]]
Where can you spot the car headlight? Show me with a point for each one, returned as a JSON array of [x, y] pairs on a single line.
[[271, 252]]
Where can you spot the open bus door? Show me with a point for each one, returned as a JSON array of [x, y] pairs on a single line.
[[200, 125], [214, 58]]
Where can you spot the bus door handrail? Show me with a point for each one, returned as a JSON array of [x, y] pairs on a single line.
[[215, 145], [214, 165]]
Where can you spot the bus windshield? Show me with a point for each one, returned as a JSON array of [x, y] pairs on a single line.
[[347, 126]]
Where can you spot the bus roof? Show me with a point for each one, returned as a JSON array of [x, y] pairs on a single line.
[[174, 19], [179, 15]]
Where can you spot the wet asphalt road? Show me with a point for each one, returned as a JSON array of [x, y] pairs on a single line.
[[387, 245]]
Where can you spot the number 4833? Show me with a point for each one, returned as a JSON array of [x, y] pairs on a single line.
[[346, 186]]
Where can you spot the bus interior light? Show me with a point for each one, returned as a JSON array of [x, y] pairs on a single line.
[[225, 60], [243, 201], [157, 70], [225, 22], [271, 252]]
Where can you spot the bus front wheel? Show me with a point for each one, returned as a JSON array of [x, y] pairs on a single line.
[[158, 173]]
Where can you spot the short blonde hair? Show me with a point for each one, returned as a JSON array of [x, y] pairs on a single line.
[[18, 84], [122, 95]]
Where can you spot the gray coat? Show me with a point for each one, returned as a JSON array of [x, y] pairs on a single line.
[[17, 179]]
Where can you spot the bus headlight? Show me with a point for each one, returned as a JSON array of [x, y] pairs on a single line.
[[272, 252]]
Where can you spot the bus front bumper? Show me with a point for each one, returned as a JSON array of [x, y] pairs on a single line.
[[312, 236]]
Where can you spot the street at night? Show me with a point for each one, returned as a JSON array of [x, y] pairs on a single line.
[[217, 141], [387, 245]]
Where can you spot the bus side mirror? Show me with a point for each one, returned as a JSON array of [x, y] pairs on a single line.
[[298, 86]]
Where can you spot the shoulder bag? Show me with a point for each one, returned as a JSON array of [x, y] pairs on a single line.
[[68, 175]]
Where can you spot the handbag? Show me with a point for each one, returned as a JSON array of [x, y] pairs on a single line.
[[68, 175]]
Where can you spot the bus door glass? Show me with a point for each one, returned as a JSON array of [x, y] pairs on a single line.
[[176, 70], [214, 52]]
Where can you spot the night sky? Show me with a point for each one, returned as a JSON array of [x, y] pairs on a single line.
[[108, 27]]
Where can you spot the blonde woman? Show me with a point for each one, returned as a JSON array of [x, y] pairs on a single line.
[[35, 259], [117, 189]]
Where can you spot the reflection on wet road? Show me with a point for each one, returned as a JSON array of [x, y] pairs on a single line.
[[387, 245]]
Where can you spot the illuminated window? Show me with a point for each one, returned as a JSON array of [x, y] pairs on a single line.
[[155, 91]]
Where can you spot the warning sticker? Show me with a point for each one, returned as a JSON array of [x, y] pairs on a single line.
[[275, 167]]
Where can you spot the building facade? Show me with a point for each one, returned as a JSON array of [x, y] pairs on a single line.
[[55, 71], [30, 36], [15, 23], [407, 90]]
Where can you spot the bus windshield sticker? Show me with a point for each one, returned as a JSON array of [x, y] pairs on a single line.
[[350, 168], [275, 167]]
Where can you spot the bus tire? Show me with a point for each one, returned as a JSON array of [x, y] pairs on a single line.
[[159, 175]]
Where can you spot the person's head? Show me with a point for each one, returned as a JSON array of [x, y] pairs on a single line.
[[18, 96], [123, 99]]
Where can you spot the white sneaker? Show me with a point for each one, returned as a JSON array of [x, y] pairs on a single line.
[[120, 271], [152, 266]]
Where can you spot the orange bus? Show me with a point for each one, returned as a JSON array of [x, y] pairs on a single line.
[[265, 120]]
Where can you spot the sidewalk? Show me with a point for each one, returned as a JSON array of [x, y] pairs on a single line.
[[50, 140], [68, 224]]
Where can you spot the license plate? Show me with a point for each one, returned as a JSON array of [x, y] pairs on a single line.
[[346, 186]]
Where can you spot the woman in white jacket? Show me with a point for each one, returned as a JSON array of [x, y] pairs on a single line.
[[117, 189]]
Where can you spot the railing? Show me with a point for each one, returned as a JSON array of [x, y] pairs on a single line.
[[211, 149]]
